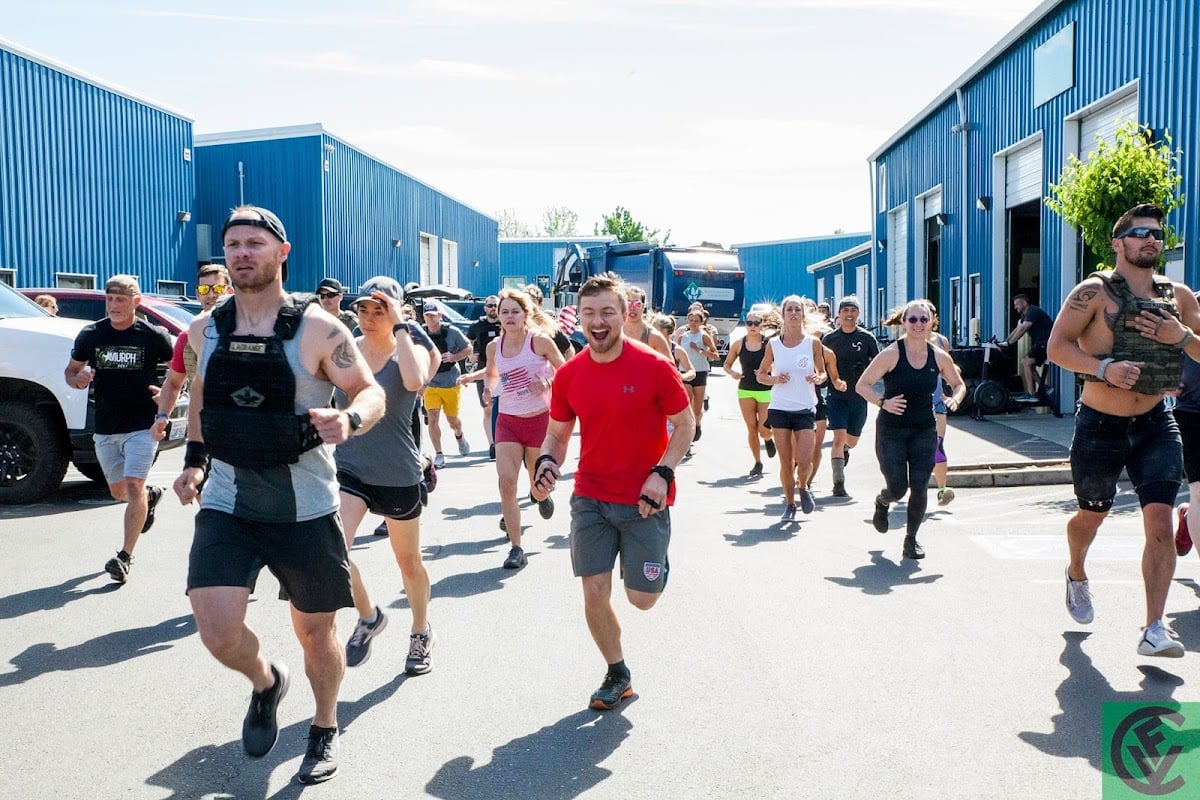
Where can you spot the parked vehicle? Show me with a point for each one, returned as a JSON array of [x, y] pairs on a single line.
[[672, 277], [88, 304], [469, 309], [45, 424]]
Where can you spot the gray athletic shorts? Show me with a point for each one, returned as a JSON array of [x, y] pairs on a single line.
[[600, 530], [125, 455]]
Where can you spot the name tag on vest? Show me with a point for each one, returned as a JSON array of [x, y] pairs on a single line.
[[258, 348]]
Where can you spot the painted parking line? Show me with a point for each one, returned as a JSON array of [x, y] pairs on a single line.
[[1053, 547]]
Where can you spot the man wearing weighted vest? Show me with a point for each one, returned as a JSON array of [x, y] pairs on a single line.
[[1126, 333], [260, 431]]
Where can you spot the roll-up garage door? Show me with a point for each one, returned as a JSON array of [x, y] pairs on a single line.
[[897, 254], [1023, 175], [933, 204], [1104, 123]]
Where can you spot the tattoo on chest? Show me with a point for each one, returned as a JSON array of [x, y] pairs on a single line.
[[342, 356]]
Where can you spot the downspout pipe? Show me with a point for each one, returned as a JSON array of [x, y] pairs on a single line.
[[963, 127]]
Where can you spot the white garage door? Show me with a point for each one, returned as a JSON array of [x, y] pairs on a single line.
[[1023, 175], [1104, 123]]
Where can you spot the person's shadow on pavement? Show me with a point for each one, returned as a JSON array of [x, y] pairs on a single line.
[[103, 651], [883, 575], [556, 762], [48, 598], [1081, 697]]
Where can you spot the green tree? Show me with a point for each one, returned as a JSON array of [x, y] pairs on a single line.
[[559, 221], [621, 224], [1091, 195], [512, 226]]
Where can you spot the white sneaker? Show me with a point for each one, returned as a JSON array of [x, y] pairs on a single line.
[[439, 460], [463, 447], [945, 496], [1079, 600], [1157, 641]]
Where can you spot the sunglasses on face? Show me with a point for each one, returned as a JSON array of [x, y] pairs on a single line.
[[1143, 233], [327, 295], [915, 320], [489, 305], [216, 288], [750, 322]]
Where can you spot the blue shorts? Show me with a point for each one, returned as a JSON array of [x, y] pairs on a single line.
[[1147, 446], [846, 413], [125, 455]]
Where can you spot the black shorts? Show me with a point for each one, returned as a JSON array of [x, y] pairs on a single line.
[[791, 420], [393, 502], [701, 379], [1037, 353], [308, 558], [1189, 432], [1146, 446]]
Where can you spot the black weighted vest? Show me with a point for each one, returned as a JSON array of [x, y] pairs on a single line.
[[248, 418], [1164, 362]]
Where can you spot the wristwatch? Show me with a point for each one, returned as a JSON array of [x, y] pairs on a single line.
[[664, 472], [355, 421]]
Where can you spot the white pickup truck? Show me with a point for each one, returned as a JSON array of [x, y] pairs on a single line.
[[45, 424]]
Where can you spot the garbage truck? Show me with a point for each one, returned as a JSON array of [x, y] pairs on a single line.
[[672, 277]]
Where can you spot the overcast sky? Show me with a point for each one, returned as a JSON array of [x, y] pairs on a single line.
[[720, 120]]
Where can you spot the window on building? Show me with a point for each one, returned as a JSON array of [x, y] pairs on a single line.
[[8, 276], [171, 288], [74, 280]]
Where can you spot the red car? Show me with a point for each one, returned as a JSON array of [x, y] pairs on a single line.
[[89, 304]]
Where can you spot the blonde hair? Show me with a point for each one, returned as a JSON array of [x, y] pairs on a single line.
[[536, 319], [814, 321]]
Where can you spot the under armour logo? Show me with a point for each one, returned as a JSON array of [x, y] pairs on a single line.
[[627, 389], [247, 397]]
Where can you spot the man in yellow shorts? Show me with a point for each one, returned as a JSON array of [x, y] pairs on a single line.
[[442, 392]]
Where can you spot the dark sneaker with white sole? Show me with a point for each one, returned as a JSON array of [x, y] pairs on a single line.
[[611, 693], [320, 759], [516, 559], [153, 495], [118, 568], [770, 445], [880, 517], [260, 729], [358, 648], [419, 647]]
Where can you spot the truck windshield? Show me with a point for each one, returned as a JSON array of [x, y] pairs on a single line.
[[15, 304]]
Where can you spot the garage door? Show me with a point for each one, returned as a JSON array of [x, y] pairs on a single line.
[[1023, 175], [1103, 124]]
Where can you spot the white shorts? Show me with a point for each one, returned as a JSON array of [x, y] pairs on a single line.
[[125, 455]]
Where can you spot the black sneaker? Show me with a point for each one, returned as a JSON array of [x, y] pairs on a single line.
[[153, 495], [845, 455], [260, 729], [516, 559], [880, 519], [429, 474], [503, 527], [491, 452], [706, 402], [770, 445], [381, 529], [611, 693], [320, 759], [419, 647], [912, 548], [696, 435], [118, 568], [358, 648], [546, 507], [756, 470], [807, 504], [839, 489]]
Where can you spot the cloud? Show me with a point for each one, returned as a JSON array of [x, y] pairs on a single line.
[[341, 62]]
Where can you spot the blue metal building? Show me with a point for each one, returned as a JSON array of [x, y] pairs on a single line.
[[94, 181], [348, 215], [779, 268], [957, 193], [847, 273], [528, 260]]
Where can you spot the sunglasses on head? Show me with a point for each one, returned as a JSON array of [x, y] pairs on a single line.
[[1143, 233], [216, 288], [915, 320]]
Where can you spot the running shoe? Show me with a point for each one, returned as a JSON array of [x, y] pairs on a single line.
[[756, 470], [1157, 641], [503, 527], [153, 495], [913, 549], [789, 513], [1183, 537], [546, 507], [945, 496], [770, 445], [706, 402], [260, 729], [696, 435], [429, 474], [358, 648], [516, 559], [845, 456], [839, 489], [611, 693], [880, 517], [1079, 600], [806, 501], [118, 568], [381, 529], [439, 460], [491, 452], [419, 647], [320, 758], [463, 446]]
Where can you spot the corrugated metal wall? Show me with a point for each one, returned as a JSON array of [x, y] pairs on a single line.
[[91, 181], [1116, 42], [527, 258], [344, 211], [777, 269]]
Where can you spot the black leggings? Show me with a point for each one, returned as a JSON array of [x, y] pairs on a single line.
[[906, 460]]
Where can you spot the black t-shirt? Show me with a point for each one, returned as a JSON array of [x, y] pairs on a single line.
[[1040, 325], [126, 363], [481, 333], [854, 352]]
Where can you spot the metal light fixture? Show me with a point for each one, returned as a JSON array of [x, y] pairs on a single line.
[[983, 202], [941, 219], [183, 216], [882, 244], [475, 263], [396, 242]]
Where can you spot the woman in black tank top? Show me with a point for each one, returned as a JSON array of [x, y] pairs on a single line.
[[753, 397], [905, 432]]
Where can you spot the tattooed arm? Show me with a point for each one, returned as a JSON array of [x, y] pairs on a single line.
[[1086, 306], [338, 359]]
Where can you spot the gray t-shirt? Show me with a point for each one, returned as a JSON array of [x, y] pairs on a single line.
[[451, 342], [386, 455]]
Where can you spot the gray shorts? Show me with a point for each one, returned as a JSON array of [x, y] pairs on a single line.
[[600, 530], [125, 455]]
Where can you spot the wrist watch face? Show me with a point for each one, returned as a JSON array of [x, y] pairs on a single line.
[[355, 420]]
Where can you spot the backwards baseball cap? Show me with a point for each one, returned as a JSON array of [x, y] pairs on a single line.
[[850, 301], [383, 285], [331, 284], [267, 221], [430, 307], [122, 284]]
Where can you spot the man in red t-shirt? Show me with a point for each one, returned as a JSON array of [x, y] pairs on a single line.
[[623, 393]]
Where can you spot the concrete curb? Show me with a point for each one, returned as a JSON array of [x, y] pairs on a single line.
[[1027, 473]]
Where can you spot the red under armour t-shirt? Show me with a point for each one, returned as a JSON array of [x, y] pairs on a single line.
[[622, 407]]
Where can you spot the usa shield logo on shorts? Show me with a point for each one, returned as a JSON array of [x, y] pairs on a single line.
[[651, 570]]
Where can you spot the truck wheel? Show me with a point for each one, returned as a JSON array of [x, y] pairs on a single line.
[[92, 472], [33, 456]]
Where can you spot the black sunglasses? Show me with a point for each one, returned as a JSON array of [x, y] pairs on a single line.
[[327, 295], [753, 322], [915, 320], [1143, 233]]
